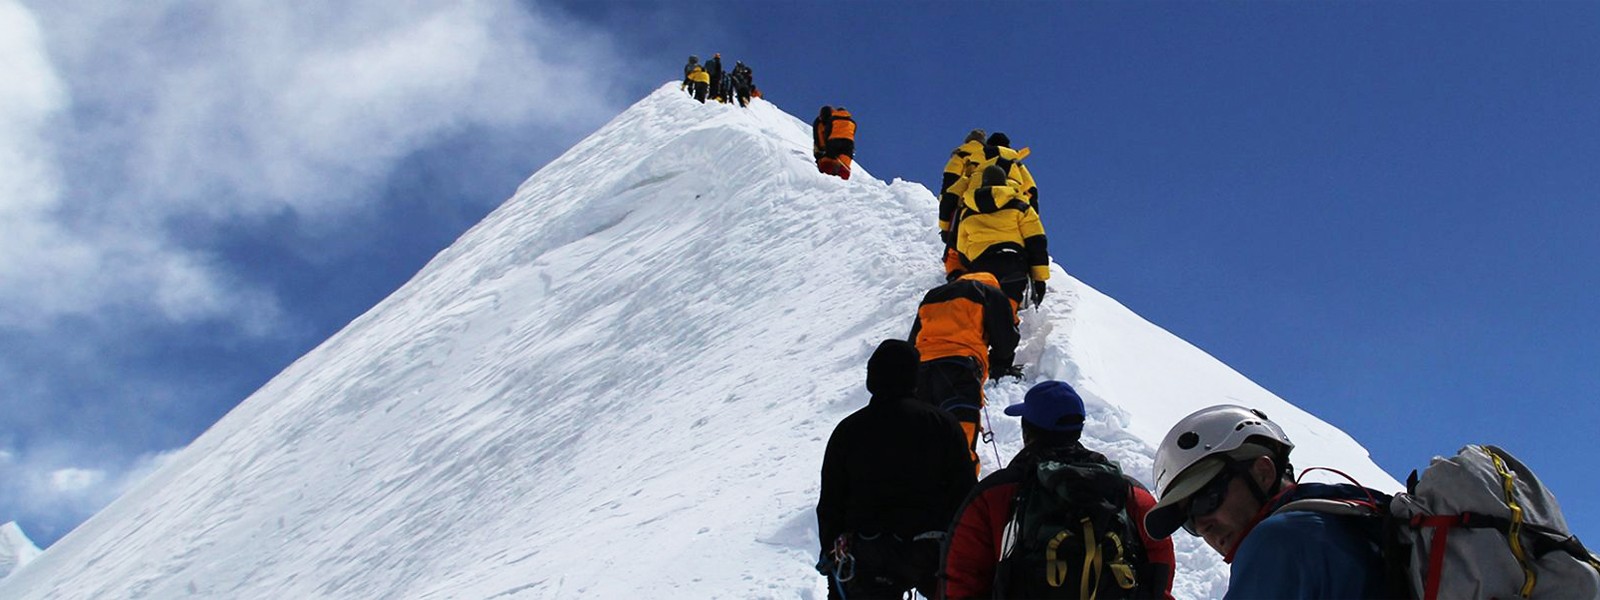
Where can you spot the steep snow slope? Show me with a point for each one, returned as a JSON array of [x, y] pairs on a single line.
[[16, 550], [619, 382]]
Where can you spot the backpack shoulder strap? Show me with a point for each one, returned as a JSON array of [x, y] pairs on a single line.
[[1350, 508]]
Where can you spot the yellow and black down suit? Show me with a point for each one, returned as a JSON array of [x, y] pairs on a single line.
[[963, 329], [1009, 161], [962, 172], [962, 160], [700, 82], [999, 232]]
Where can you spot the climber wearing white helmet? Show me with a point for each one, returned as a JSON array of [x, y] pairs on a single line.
[[1223, 474]]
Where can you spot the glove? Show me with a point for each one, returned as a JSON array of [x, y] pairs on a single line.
[[1038, 293], [1011, 371], [825, 565]]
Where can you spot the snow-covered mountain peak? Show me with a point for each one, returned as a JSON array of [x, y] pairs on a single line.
[[16, 550], [619, 382]]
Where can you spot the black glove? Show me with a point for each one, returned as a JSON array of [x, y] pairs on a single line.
[[1010, 371], [825, 565], [1038, 293]]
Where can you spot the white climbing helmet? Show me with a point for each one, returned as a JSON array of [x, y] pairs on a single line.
[[1211, 431]]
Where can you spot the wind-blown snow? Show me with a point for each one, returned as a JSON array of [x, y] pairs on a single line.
[[621, 381]]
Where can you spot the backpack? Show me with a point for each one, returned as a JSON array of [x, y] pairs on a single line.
[[1476, 525], [1481, 524], [1070, 534]]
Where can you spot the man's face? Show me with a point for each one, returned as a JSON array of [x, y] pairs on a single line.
[[1223, 527]]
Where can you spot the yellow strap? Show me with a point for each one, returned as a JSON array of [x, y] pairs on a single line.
[[1119, 565], [1023, 153], [1091, 563], [1509, 480], [1055, 571]]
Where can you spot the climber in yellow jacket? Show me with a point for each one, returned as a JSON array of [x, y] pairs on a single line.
[[997, 151], [999, 232], [962, 160], [700, 80]]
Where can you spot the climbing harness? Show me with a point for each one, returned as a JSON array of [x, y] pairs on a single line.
[[844, 565]]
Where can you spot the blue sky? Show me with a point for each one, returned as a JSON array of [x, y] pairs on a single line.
[[1383, 212]]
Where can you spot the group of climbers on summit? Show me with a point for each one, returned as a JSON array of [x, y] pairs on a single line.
[[710, 81]]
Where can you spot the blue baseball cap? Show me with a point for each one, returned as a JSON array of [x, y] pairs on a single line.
[[1052, 406]]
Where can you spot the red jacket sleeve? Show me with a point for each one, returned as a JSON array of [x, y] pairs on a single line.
[[975, 544], [1158, 552]]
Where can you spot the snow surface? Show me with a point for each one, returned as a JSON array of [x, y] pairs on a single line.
[[16, 550], [620, 382]]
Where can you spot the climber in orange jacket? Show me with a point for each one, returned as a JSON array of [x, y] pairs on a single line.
[[966, 332], [833, 139]]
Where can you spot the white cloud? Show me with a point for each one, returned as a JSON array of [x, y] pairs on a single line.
[[75, 481], [115, 118], [47, 486]]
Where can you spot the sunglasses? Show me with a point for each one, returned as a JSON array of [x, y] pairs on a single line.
[[1208, 499]]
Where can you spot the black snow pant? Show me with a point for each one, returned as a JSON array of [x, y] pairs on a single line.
[[841, 147], [699, 91], [955, 384], [1010, 267]]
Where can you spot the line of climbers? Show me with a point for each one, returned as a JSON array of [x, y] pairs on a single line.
[[996, 252], [900, 507], [989, 216], [710, 81], [899, 511]]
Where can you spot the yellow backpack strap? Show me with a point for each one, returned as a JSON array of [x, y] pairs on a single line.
[[1514, 533], [1091, 563], [1055, 571], [1126, 579]]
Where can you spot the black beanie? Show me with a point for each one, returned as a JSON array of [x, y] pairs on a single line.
[[994, 175], [998, 139], [892, 370]]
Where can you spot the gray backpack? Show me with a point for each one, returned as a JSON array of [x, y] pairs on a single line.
[[1481, 525]]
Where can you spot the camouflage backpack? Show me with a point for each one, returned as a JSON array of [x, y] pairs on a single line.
[[1070, 534]]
